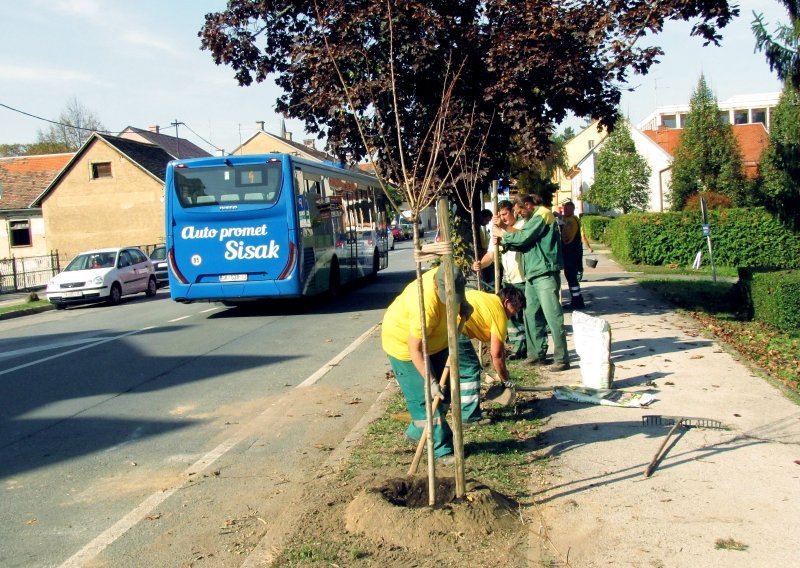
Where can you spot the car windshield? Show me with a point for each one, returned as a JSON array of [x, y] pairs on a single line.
[[91, 260], [159, 253]]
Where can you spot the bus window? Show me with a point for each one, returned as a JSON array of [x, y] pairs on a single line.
[[257, 184]]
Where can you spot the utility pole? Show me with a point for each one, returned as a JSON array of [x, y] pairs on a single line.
[[177, 140]]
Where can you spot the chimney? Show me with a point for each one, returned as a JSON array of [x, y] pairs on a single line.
[[153, 128], [288, 136], [260, 125], [309, 142]]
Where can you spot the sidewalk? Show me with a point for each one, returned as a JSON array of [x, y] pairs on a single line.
[[742, 483]]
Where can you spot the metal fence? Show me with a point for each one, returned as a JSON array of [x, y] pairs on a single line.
[[27, 273]]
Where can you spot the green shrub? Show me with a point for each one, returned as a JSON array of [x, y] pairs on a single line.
[[741, 237], [594, 226], [772, 297]]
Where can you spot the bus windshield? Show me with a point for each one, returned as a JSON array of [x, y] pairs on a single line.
[[254, 183]]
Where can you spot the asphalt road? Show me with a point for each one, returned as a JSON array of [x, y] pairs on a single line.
[[155, 433]]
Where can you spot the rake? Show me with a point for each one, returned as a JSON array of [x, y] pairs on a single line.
[[676, 422]]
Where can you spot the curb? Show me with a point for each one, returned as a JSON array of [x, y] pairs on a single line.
[[26, 312]]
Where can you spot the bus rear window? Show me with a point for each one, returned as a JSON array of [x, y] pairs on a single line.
[[255, 184]]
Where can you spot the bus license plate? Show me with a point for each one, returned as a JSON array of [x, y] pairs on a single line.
[[233, 277]]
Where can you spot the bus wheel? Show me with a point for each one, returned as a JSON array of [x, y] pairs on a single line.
[[334, 283]]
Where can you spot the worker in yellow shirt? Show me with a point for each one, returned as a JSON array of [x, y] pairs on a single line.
[[401, 339], [489, 324]]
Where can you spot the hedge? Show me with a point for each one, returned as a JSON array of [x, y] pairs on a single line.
[[741, 238], [772, 297], [594, 226]]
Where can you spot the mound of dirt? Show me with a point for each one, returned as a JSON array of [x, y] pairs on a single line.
[[396, 512]]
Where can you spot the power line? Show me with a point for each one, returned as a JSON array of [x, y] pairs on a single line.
[[53, 121], [57, 123]]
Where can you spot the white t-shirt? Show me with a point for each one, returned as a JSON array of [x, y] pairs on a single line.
[[512, 262]]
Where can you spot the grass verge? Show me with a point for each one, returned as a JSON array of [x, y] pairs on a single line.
[[501, 455], [23, 307]]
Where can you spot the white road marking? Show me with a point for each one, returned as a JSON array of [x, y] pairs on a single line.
[[336, 360], [47, 347], [179, 319], [107, 537], [214, 309], [63, 353]]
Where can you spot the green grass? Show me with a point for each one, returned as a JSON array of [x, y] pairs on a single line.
[[730, 544], [23, 307], [704, 272]]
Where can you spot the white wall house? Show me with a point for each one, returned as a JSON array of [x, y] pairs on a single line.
[[741, 109], [660, 163]]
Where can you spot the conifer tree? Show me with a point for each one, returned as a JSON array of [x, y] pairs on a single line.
[[708, 157], [779, 190], [621, 174]]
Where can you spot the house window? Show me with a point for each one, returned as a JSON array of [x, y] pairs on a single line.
[[759, 115], [724, 117], [669, 121], [101, 170], [740, 116], [683, 120], [19, 232]]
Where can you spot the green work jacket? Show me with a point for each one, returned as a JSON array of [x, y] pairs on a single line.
[[539, 241]]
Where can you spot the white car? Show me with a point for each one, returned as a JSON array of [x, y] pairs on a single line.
[[103, 275]]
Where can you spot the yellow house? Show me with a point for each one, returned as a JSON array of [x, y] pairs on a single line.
[[577, 149], [262, 142], [111, 193]]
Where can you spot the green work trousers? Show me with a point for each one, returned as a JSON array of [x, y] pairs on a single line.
[[413, 388], [469, 367], [543, 310], [516, 329]]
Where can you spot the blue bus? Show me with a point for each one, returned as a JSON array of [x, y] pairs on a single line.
[[255, 227]]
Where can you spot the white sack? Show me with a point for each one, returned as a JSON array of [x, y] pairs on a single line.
[[592, 337]]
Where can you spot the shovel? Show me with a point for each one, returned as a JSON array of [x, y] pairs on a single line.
[[505, 393]]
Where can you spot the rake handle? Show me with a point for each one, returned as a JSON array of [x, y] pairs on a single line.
[[649, 471], [412, 469]]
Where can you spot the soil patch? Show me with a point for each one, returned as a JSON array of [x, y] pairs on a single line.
[[397, 512], [366, 521]]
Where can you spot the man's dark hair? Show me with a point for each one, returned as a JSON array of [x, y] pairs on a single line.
[[485, 216], [531, 198], [514, 296], [505, 204]]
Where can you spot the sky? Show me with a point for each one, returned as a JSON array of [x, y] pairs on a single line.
[[140, 64]]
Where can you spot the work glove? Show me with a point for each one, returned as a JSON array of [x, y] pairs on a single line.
[[436, 392]]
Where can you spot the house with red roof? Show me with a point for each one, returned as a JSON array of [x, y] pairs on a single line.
[[22, 179]]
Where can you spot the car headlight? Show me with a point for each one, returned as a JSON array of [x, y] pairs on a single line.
[[97, 281]]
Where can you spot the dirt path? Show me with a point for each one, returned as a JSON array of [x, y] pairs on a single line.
[[716, 491]]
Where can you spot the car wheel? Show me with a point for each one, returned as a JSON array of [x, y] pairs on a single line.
[[115, 295], [152, 287]]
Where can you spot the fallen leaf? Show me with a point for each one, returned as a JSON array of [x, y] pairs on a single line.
[[153, 517], [696, 357], [355, 401], [330, 414], [669, 383], [31, 521]]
